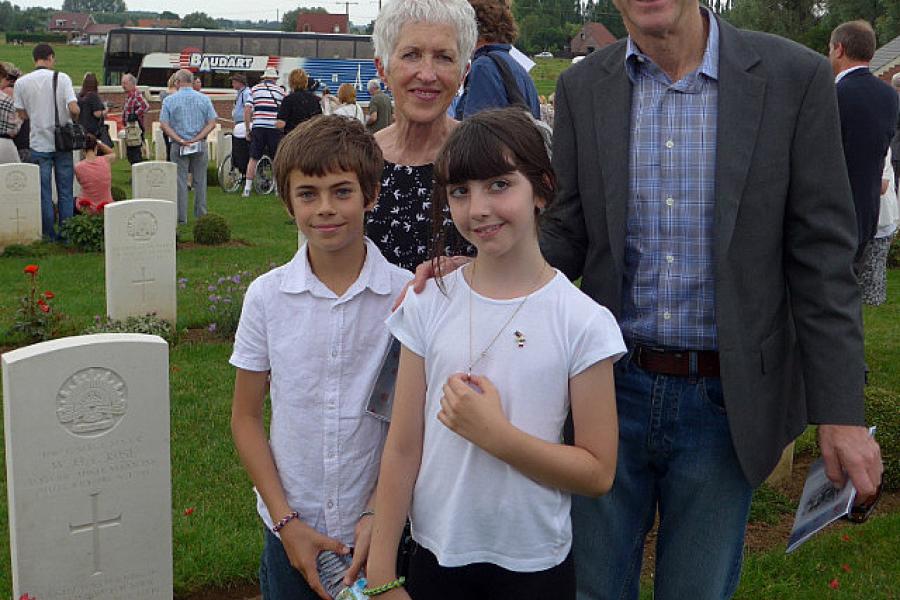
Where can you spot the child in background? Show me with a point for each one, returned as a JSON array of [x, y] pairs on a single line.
[[494, 355], [312, 334]]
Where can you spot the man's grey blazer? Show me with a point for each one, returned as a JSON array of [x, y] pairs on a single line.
[[788, 308]]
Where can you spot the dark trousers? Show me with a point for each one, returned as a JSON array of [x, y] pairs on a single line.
[[484, 581], [135, 153]]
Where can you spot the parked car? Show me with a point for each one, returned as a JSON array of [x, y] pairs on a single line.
[[577, 59], [544, 54]]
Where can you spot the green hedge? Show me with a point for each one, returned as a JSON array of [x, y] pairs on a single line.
[[883, 411], [36, 36]]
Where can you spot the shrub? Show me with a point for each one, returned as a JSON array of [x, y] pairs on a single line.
[[149, 324], [118, 194], [211, 229], [212, 177], [36, 319], [881, 411], [893, 260], [36, 36], [226, 297], [84, 231]]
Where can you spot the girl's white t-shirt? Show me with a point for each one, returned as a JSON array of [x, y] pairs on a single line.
[[468, 506]]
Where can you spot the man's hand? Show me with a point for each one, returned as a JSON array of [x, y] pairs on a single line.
[[303, 544], [850, 449], [426, 271], [362, 538]]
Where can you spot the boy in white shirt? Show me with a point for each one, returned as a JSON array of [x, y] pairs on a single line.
[[312, 333]]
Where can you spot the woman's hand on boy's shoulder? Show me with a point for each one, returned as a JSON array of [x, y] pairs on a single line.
[[426, 271], [471, 407], [303, 544]]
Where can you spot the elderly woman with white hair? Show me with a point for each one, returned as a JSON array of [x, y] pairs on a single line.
[[422, 50]]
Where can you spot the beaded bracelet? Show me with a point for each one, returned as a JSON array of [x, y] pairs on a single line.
[[287, 519], [381, 589]]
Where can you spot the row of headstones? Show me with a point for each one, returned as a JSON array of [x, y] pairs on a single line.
[[86, 419], [139, 235]]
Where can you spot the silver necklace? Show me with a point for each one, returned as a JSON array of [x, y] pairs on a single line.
[[519, 336]]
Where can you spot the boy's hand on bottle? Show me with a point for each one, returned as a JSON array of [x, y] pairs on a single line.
[[303, 545], [362, 537], [471, 407]]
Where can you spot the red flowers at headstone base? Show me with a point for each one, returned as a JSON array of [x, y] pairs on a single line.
[[834, 584], [189, 511]]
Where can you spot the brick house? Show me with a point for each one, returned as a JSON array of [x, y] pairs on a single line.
[[592, 36], [323, 23], [886, 61], [71, 24]]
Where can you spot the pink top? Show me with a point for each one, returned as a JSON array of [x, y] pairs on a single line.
[[95, 178]]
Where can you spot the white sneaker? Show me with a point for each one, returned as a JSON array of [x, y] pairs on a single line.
[[245, 194]]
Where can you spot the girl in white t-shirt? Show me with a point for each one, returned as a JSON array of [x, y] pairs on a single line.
[[494, 356]]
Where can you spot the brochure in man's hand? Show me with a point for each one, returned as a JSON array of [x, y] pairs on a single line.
[[821, 504], [189, 149]]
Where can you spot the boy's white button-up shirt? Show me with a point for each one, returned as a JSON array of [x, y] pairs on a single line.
[[324, 354]]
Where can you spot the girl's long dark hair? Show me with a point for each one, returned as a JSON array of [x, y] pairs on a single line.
[[90, 85], [492, 143]]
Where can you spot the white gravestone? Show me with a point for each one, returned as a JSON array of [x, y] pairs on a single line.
[[139, 238], [20, 204], [86, 421], [155, 179]]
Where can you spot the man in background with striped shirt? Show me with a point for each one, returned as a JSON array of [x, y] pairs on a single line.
[[260, 114]]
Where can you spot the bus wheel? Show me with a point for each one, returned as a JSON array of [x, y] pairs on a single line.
[[229, 176]]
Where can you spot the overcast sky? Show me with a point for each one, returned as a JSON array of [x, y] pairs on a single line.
[[361, 11]]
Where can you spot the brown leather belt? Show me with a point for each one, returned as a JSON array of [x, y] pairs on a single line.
[[677, 362]]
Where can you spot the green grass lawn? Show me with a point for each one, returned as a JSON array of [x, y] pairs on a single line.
[[73, 60]]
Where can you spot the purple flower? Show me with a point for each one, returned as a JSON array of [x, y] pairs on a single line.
[[236, 278], [213, 298], [211, 288], [212, 308], [182, 280], [212, 328], [222, 279], [226, 300]]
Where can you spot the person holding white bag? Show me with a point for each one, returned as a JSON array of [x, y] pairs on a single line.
[[873, 279]]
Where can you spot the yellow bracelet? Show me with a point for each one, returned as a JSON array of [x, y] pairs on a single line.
[[377, 591]]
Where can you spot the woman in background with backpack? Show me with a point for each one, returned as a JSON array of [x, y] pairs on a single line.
[[484, 86]]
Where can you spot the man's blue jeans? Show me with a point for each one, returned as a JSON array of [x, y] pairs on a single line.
[[675, 457], [65, 172]]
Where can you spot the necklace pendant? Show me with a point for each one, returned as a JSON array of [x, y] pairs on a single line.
[[520, 338]]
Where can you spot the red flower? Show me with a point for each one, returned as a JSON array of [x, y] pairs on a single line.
[[49, 295], [189, 511], [845, 538], [834, 584], [846, 568], [27, 596], [31, 269], [99, 208]]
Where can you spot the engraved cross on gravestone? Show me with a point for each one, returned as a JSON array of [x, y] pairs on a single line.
[[143, 281], [18, 219], [94, 526]]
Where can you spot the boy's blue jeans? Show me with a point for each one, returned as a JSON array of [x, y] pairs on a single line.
[[65, 172], [675, 456], [278, 580]]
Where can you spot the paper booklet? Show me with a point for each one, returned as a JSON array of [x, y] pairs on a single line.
[[381, 399], [820, 505], [189, 149]]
